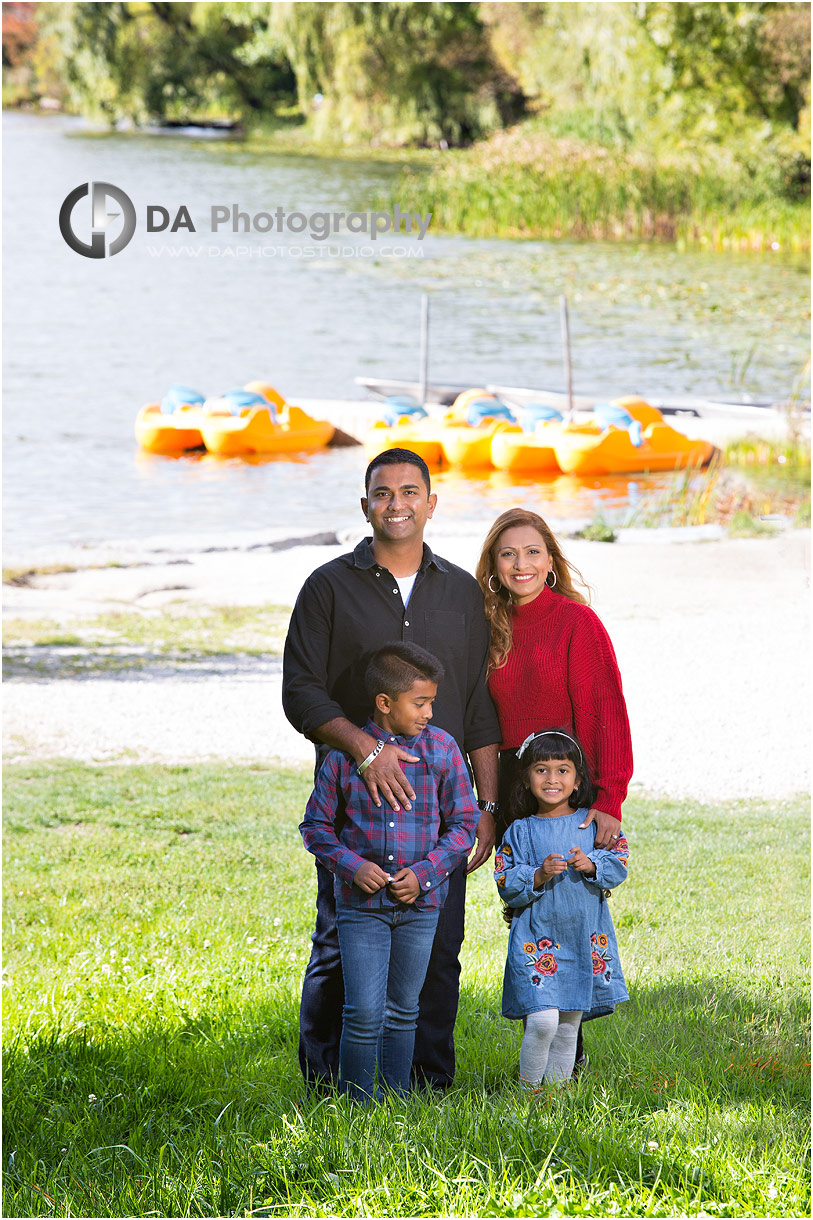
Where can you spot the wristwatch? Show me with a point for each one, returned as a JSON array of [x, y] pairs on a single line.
[[492, 807]]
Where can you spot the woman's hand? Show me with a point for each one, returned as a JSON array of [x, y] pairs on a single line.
[[581, 862], [608, 828], [551, 866]]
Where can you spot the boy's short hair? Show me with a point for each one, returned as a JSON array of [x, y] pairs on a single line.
[[396, 668], [398, 457]]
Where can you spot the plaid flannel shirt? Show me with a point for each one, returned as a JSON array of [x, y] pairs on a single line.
[[343, 828]]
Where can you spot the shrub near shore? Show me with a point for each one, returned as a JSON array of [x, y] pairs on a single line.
[[528, 183], [156, 929]]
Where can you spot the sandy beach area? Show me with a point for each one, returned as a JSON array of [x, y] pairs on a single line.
[[712, 638]]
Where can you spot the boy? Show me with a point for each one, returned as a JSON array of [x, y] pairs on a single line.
[[390, 867]]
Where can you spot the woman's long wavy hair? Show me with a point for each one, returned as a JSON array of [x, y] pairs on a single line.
[[498, 605]]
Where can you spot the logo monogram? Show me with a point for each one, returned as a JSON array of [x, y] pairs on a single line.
[[97, 247]]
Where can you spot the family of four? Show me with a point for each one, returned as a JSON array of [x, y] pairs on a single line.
[[413, 679]]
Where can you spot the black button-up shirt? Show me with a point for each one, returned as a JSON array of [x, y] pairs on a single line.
[[352, 606]]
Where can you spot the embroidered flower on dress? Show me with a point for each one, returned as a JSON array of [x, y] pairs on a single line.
[[505, 850], [593, 939], [599, 965], [602, 940], [546, 964], [501, 880], [535, 980], [545, 943], [621, 844], [499, 864], [529, 947]]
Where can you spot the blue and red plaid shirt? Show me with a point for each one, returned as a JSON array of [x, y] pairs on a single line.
[[343, 828]]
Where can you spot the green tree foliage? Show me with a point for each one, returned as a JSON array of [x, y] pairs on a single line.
[[724, 79], [751, 58], [151, 60], [659, 70], [401, 73]]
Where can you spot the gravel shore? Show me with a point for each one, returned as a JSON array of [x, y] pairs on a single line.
[[712, 640]]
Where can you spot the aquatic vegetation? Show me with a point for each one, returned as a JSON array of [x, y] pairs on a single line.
[[524, 182], [758, 451], [720, 496]]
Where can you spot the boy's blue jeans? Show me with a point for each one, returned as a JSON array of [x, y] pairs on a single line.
[[385, 952]]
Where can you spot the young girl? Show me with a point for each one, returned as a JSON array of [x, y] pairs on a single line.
[[562, 954]]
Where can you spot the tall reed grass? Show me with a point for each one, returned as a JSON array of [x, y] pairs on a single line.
[[525, 183], [716, 495]]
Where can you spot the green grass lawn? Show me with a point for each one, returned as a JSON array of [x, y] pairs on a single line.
[[134, 641], [156, 930], [176, 628]]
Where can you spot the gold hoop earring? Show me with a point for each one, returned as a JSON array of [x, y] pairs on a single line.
[[491, 587], [553, 574]]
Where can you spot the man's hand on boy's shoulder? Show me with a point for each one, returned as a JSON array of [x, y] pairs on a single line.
[[370, 878], [384, 777], [405, 886]]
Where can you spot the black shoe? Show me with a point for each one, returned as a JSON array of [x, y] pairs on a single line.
[[579, 1066]]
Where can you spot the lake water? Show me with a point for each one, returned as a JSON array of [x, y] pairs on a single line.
[[87, 341]]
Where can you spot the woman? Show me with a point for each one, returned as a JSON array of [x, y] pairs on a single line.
[[551, 662]]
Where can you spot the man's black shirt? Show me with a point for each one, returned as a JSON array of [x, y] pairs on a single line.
[[351, 606]]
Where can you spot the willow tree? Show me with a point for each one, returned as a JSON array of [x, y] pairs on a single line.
[[656, 72], [398, 73], [151, 60]]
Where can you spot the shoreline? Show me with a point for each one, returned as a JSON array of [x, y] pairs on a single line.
[[688, 621]]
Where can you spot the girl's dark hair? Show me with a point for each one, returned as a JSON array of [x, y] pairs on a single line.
[[555, 743]]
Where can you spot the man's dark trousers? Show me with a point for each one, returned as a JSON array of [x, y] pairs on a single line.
[[320, 1014]]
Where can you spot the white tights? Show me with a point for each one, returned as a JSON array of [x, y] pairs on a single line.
[[549, 1046]]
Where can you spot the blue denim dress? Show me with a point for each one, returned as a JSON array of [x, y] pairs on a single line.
[[562, 951]]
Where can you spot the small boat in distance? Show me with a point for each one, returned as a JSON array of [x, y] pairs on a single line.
[[444, 394], [200, 129], [436, 392]]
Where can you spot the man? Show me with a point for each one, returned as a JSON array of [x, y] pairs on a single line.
[[391, 587]]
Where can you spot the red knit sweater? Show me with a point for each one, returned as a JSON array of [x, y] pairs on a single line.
[[561, 672]]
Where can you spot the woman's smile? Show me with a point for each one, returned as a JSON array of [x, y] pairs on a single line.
[[522, 562]]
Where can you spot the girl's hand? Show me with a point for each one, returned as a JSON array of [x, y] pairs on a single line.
[[370, 878], [581, 862], [551, 866]]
